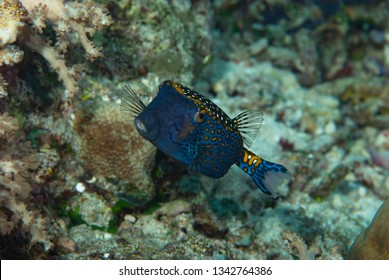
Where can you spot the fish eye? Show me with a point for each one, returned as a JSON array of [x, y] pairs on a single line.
[[141, 126], [199, 116]]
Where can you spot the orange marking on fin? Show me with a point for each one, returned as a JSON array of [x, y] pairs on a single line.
[[245, 156], [259, 161], [178, 88], [196, 102], [251, 159]]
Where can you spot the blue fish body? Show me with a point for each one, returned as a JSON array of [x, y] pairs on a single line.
[[193, 130], [167, 123]]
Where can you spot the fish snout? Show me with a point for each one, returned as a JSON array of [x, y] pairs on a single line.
[[147, 125]]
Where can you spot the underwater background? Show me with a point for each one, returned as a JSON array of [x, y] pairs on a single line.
[[77, 181]]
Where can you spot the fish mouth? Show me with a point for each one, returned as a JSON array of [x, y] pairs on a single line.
[[147, 125]]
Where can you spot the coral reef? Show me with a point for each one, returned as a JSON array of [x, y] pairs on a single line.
[[24, 22], [17, 163], [12, 17], [373, 242], [77, 181]]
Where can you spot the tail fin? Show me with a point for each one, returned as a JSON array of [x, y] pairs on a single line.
[[265, 174]]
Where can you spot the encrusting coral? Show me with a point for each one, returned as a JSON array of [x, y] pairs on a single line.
[[24, 22], [112, 148], [373, 242], [17, 163]]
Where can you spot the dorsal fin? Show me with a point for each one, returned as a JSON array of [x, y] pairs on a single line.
[[131, 105], [249, 123]]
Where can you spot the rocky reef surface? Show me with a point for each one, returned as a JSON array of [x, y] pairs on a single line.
[[78, 182]]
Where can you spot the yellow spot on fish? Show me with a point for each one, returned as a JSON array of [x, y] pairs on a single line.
[[245, 156], [178, 88]]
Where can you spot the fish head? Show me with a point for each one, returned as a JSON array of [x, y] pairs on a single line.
[[169, 122], [148, 125]]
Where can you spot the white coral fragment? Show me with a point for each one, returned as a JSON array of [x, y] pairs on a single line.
[[83, 18]]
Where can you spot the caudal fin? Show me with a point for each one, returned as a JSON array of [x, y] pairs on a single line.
[[265, 174]]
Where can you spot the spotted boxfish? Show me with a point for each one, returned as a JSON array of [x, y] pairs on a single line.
[[194, 131]]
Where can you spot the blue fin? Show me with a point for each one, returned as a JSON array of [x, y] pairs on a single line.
[[265, 174]]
